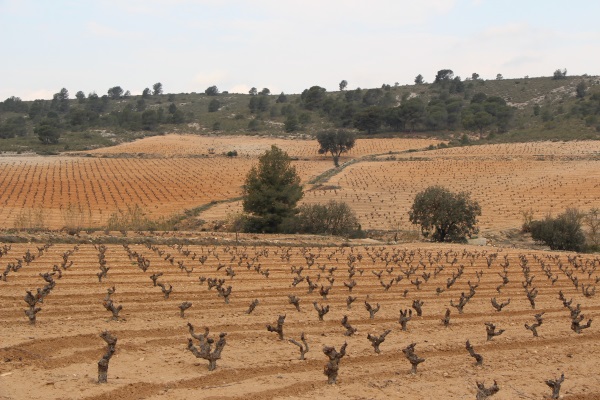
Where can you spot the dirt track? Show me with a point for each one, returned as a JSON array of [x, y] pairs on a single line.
[[57, 358]]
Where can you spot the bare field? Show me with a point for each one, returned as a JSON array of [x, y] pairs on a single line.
[[253, 146], [56, 358], [526, 150]]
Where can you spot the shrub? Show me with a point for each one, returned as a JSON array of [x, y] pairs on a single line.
[[561, 233], [333, 218], [134, 219], [214, 105], [592, 222]]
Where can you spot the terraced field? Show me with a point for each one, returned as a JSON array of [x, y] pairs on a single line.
[[56, 358]]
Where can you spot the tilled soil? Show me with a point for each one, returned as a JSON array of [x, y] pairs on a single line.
[[57, 358]]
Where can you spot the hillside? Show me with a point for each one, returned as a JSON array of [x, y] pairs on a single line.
[[503, 110]]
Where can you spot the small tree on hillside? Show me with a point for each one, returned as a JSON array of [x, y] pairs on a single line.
[[445, 216], [271, 191], [214, 105], [419, 80], [157, 89], [80, 96], [48, 130], [580, 90], [211, 91], [282, 98], [115, 92], [60, 101], [336, 143], [291, 123], [369, 119], [443, 75], [560, 74]]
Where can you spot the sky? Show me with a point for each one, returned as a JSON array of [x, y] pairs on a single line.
[[285, 45]]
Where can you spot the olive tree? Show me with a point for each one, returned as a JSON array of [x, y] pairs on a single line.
[[445, 216], [336, 143], [271, 191]]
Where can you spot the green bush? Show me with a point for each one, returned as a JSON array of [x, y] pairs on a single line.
[[270, 193], [445, 216], [333, 218], [561, 233]]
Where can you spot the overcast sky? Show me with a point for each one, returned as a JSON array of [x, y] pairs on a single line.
[[285, 45]]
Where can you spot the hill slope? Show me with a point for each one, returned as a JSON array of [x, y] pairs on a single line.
[[495, 110]]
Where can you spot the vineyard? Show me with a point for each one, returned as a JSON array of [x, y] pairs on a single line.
[[167, 175], [419, 321], [505, 179], [97, 187], [86, 190], [253, 146], [199, 315], [382, 192]]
